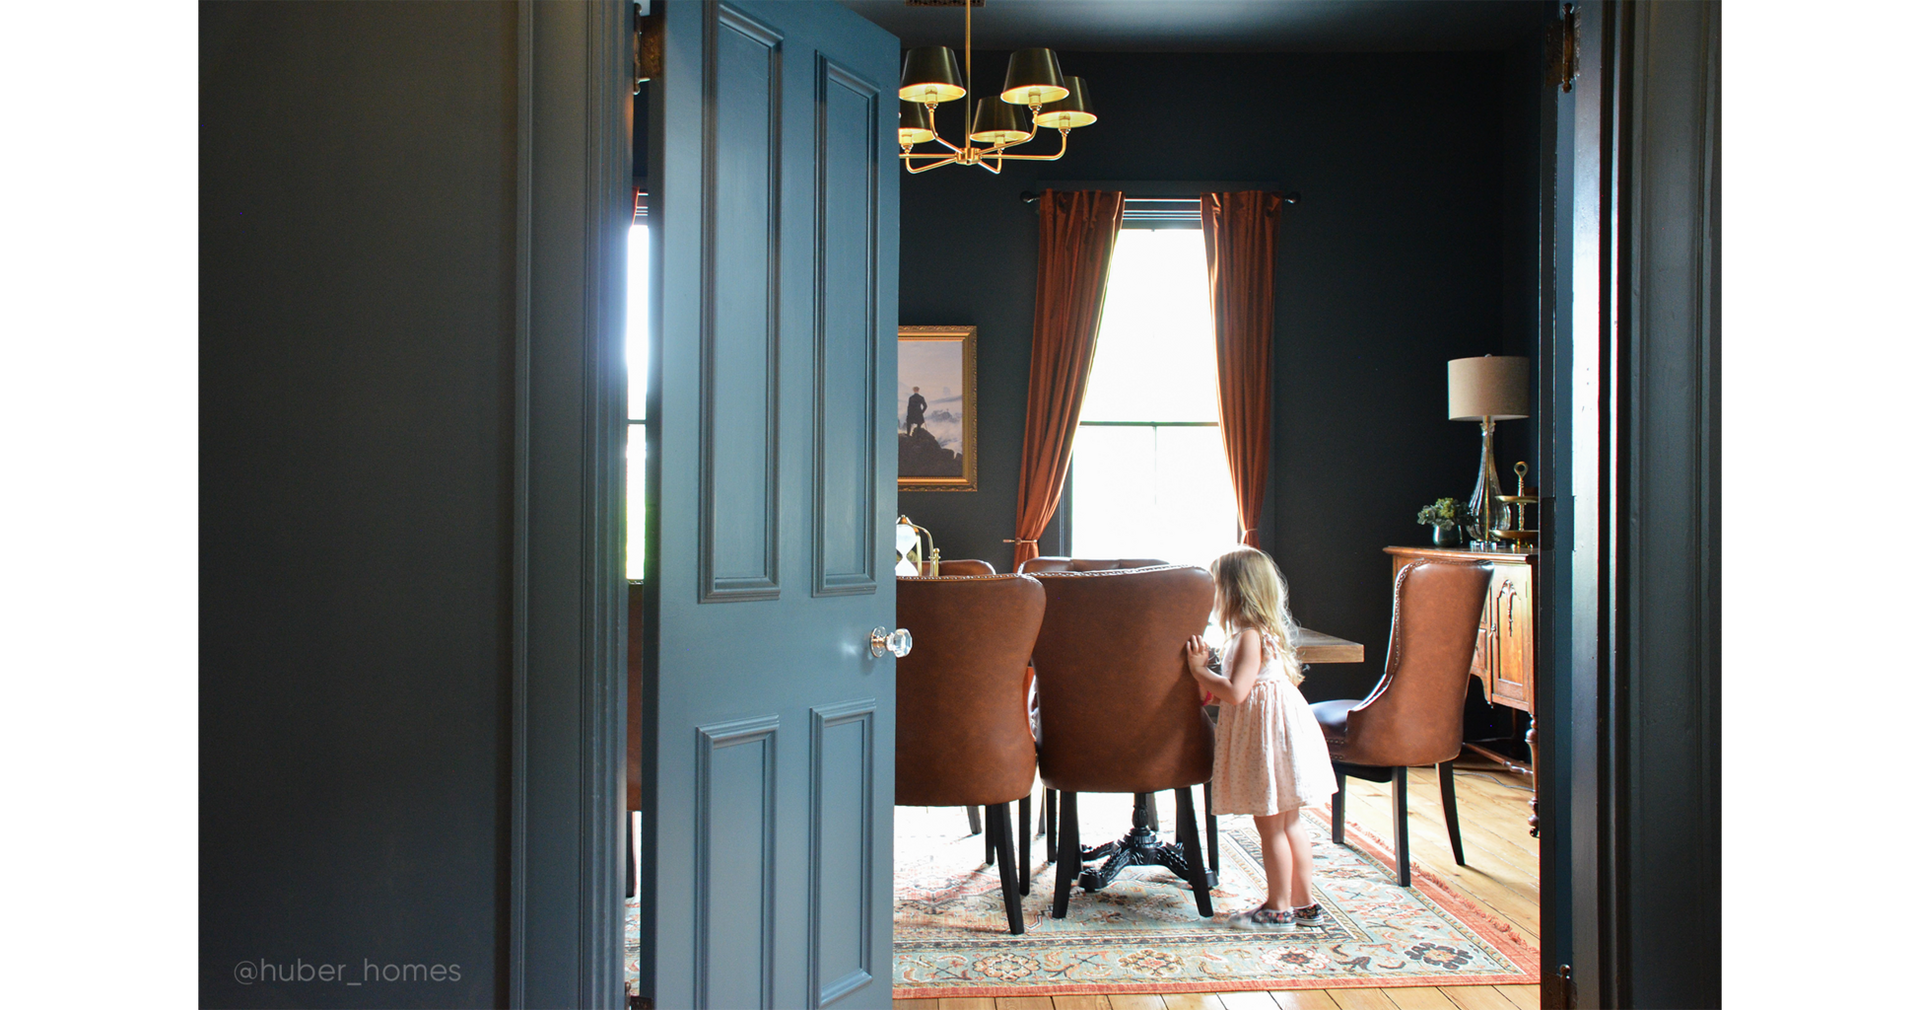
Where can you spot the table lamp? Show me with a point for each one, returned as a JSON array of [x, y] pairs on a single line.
[[1486, 389]]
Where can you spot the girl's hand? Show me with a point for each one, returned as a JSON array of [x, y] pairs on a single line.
[[1197, 655]]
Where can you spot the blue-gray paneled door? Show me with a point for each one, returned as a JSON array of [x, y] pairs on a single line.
[[767, 848]]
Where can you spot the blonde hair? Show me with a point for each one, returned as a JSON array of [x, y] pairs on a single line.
[[1249, 593]]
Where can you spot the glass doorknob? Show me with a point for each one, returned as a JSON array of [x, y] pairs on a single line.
[[899, 643]]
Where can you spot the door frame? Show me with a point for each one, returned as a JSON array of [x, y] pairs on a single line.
[[565, 878], [1636, 295], [1630, 900]]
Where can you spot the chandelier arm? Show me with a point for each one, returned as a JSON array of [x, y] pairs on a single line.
[[927, 168], [1055, 156]]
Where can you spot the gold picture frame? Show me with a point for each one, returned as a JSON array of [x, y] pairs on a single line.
[[939, 360]]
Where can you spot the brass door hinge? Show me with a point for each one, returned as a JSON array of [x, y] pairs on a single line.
[[648, 48], [1569, 46], [1556, 989]]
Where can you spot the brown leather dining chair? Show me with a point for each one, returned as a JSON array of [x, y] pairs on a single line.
[[966, 566], [1055, 563], [962, 737], [1413, 717], [1120, 714]]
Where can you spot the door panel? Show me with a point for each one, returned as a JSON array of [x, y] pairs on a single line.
[[841, 891], [740, 325], [768, 849], [734, 876], [846, 204]]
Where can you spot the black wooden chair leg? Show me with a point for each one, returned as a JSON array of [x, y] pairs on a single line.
[[1066, 868], [973, 820], [1339, 806], [1050, 820], [1026, 844], [1187, 832], [1213, 836], [1453, 814], [1000, 830], [1402, 859], [633, 882]]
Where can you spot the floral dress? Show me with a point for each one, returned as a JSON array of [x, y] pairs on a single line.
[[1269, 756]]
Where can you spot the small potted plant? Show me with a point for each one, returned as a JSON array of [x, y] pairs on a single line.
[[1446, 517]]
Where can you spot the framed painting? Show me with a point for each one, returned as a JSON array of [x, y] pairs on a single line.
[[934, 409]]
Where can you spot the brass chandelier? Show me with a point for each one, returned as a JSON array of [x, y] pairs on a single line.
[[929, 77]]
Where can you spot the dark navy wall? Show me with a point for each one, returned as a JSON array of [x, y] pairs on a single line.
[[356, 360], [1400, 255]]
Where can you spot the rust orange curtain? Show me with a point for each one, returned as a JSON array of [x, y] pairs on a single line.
[[1242, 232], [1077, 233]]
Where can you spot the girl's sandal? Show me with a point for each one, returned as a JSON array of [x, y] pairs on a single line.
[[1261, 918], [1307, 915]]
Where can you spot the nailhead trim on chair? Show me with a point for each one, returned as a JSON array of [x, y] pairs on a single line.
[[1108, 571]]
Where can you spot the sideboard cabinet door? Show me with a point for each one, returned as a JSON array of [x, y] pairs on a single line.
[[1509, 613]]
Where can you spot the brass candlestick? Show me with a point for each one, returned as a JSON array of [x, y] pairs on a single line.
[[914, 555], [1517, 534]]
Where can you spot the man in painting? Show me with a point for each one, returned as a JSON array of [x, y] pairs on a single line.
[[916, 411]]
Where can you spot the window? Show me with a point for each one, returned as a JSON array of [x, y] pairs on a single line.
[[1149, 476], [637, 345]]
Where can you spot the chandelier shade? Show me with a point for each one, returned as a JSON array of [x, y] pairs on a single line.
[[916, 124], [1033, 78], [930, 74], [1075, 110], [998, 123]]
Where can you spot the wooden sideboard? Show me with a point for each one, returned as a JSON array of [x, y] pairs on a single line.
[[1503, 652]]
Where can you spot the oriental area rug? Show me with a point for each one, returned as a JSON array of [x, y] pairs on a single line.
[[1142, 934]]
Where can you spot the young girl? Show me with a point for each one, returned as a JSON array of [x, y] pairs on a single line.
[[1269, 758]]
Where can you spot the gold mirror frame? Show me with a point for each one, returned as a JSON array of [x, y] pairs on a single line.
[[966, 337]]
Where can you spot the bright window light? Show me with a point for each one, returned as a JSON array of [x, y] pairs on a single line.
[[637, 249], [1149, 470]]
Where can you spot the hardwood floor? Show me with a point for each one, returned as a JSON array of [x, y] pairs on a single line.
[[1502, 876]]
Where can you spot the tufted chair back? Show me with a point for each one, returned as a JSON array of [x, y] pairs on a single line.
[[962, 736], [1118, 711], [960, 566], [1034, 566]]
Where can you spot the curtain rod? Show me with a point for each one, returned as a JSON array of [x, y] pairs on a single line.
[[1288, 197]]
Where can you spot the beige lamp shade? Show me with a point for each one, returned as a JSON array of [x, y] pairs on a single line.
[[1493, 386]]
